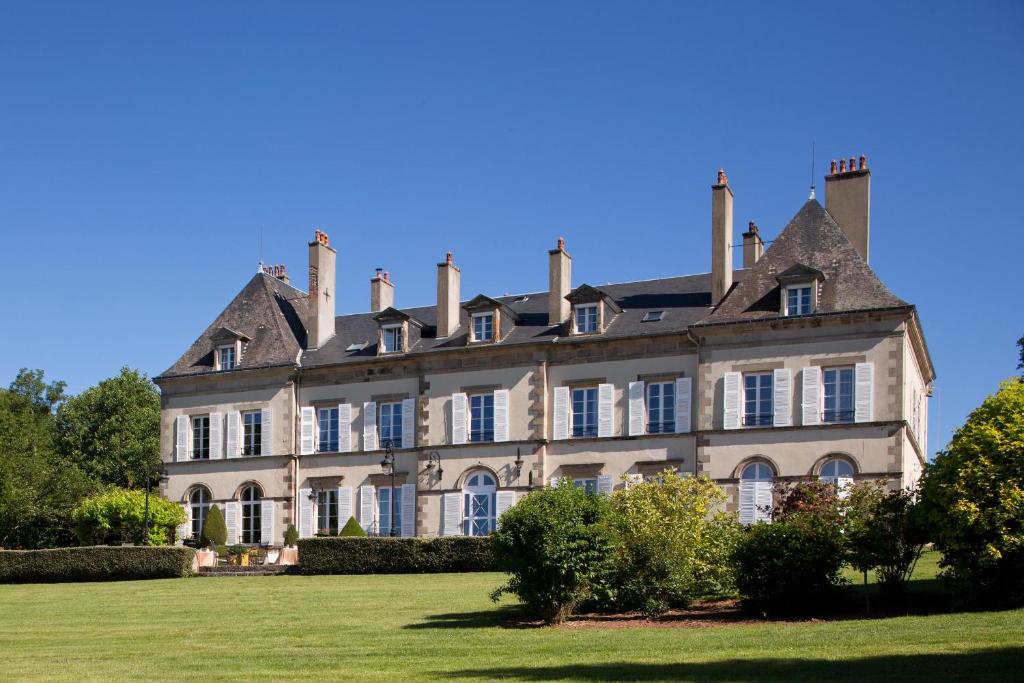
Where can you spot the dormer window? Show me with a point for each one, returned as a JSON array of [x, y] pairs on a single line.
[[228, 346], [398, 333], [593, 310], [483, 327], [586, 318], [489, 320], [392, 338], [799, 299], [799, 289], [226, 357]]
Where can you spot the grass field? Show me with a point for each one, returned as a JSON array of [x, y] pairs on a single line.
[[444, 627]]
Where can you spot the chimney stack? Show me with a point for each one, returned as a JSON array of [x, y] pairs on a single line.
[[848, 199], [559, 283], [753, 245], [278, 272], [721, 238], [321, 289], [449, 283], [382, 292]]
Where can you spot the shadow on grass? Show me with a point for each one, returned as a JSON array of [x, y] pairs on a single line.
[[991, 664], [507, 616]]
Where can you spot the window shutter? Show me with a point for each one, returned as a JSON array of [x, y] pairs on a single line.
[[408, 423], [232, 512], [684, 390], [605, 410], [459, 421], [634, 479], [501, 415], [344, 428], [731, 400], [864, 386], [604, 484], [553, 482], [267, 431], [763, 501], [234, 444], [452, 514], [408, 510], [503, 500], [344, 506], [185, 528], [306, 438], [267, 522], [560, 413], [216, 452], [181, 428], [636, 408], [366, 507], [811, 403], [305, 514], [370, 426], [781, 391], [748, 504]]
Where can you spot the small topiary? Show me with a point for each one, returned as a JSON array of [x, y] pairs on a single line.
[[352, 528], [215, 531], [291, 536]]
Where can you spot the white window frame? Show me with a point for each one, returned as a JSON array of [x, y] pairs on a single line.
[[398, 338], [198, 510], [664, 426], [586, 402], [384, 510], [325, 499], [479, 489], [193, 420], [336, 418], [482, 397], [233, 348], [810, 287], [587, 310], [762, 417], [394, 422], [838, 369], [249, 444], [483, 318], [252, 511]]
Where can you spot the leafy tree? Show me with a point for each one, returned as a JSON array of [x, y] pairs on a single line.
[[112, 430], [973, 498], [291, 536], [118, 515], [215, 529], [1020, 362], [884, 533], [352, 528]]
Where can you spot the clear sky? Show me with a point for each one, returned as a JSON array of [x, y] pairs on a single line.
[[144, 147]]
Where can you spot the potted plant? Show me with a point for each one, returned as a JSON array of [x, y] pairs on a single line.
[[238, 554], [291, 536]]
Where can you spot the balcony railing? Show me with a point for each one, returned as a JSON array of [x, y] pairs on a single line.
[[758, 420], [666, 427], [837, 416]]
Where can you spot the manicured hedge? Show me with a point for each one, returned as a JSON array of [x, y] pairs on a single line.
[[95, 563], [353, 555]]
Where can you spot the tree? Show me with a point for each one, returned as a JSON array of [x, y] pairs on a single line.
[[215, 530], [1020, 362], [352, 528], [112, 430], [973, 498], [119, 515]]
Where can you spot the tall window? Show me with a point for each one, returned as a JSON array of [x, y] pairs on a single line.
[[392, 338], [584, 412], [835, 471], [838, 395], [757, 399], [199, 500], [661, 408], [391, 423], [327, 511], [483, 326], [478, 495], [798, 300], [756, 493], [201, 437], [252, 432], [586, 318], [384, 510], [226, 357], [481, 417], [327, 420], [251, 513]]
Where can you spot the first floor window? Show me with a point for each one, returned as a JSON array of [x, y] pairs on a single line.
[[226, 357], [252, 506], [199, 500], [586, 318], [252, 432], [756, 482], [483, 327], [327, 511], [392, 338], [481, 417], [390, 423], [661, 408], [838, 395], [327, 420], [757, 399], [584, 412], [798, 300], [201, 437], [384, 494], [479, 495], [588, 485]]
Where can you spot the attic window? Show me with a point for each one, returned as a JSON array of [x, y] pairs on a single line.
[[586, 319], [799, 299], [226, 357], [652, 316], [392, 335], [521, 299], [359, 346]]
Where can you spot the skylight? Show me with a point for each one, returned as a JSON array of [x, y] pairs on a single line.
[[357, 347], [652, 316]]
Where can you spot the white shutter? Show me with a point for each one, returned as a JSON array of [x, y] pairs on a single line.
[[748, 505], [344, 428], [560, 412], [634, 479], [553, 482], [459, 421], [684, 391], [763, 501], [216, 450], [232, 512], [604, 484], [864, 386], [503, 500], [782, 390], [344, 506], [605, 410], [408, 423], [370, 426], [408, 510], [501, 415], [181, 428], [306, 431], [185, 528], [306, 526], [234, 443], [267, 523], [636, 408], [731, 400], [366, 507], [267, 431], [811, 403], [451, 514]]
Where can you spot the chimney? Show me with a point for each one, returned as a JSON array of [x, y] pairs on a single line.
[[321, 290], [449, 284], [559, 283], [278, 272], [848, 199], [721, 238], [753, 245], [382, 292]]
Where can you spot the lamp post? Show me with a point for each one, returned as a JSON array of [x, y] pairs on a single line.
[[389, 463]]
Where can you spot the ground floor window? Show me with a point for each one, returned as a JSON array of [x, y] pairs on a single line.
[[756, 481], [252, 505], [588, 485], [478, 496], [384, 510], [327, 511], [199, 500]]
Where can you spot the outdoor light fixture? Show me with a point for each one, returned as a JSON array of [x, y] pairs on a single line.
[[385, 464], [433, 457], [312, 495], [518, 463]]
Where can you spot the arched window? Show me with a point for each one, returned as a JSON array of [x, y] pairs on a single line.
[[199, 502], [756, 481], [478, 494], [839, 472], [251, 509]]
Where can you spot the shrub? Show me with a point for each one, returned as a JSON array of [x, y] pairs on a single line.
[[117, 515], [788, 567], [883, 532], [973, 498], [291, 536], [94, 563], [215, 529], [557, 547], [352, 528], [671, 544], [382, 555]]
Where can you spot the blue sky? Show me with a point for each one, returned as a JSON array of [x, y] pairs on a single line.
[[144, 148]]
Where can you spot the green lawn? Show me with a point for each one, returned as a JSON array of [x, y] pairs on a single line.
[[443, 627]]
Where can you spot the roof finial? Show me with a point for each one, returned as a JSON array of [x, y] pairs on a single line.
[[723, 179], [561, 244], [448, 258], [812, 172]]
